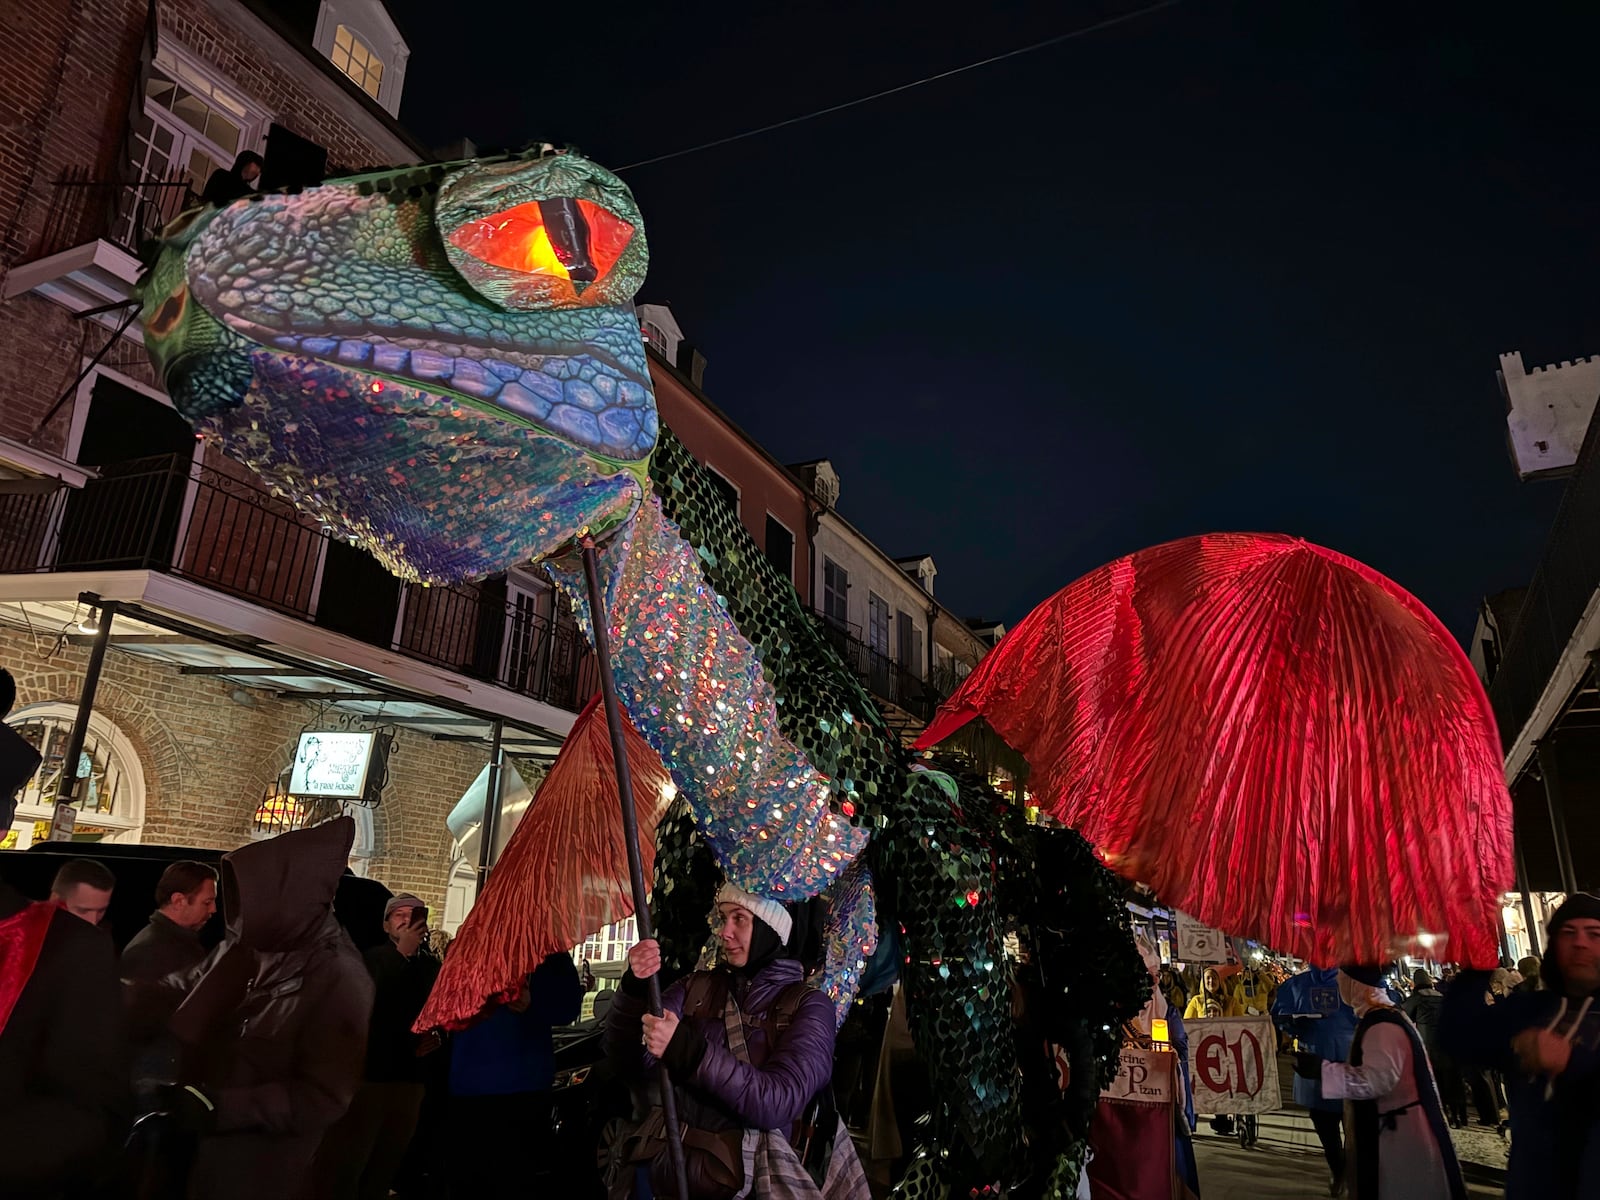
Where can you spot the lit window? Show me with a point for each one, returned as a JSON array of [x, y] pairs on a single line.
[[356, 59], [109, 791]]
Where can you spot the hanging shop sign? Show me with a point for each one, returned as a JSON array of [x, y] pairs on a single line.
[[1233, 1065]]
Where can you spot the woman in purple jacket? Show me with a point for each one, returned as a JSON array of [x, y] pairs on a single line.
[[788, 1028]]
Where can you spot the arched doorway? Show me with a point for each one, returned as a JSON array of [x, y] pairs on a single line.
[[111, 795]]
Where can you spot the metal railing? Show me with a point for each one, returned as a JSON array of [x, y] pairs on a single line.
[[126, 212], [163, 514], [886, 678], [1567, 578]]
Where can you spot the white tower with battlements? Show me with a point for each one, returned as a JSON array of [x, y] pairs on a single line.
[[1547, 412]]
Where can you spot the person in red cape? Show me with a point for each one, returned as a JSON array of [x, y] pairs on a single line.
[[63, 1052]]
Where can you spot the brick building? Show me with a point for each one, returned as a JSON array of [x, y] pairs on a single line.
[[235, 625]]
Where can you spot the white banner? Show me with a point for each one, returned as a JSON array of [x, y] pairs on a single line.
[[1199, 943], [1144, 1077], [1233, 1065]]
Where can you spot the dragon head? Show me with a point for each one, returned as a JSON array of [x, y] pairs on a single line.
[[440, 363]]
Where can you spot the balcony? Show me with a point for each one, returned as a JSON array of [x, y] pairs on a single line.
[[194, 522], [87, 251], [887, 680]]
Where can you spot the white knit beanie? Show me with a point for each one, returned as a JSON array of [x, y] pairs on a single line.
[[770, 911]]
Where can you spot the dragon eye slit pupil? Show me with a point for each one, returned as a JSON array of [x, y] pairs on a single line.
[[170, 312], [522, 239]]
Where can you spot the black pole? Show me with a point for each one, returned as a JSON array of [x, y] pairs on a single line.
[[67, 789], [1522, 886], [491, 809], [630, 836], [1558, 819]]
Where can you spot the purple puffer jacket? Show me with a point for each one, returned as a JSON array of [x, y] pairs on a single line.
[[724, 1093]]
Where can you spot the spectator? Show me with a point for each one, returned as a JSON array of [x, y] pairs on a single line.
[[1528, 968], [748, 1047], [501, 1070], [275, 1031], [1547, 1044], [228, 184], [1214, 999], [83, 887], [361, 1155], [63, 1054]]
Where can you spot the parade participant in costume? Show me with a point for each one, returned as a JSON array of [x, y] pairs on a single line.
[[1400, 1146], [1309, 1007], [1157, 1008], [1547, 1045], [749, 1046], [63, 1070]]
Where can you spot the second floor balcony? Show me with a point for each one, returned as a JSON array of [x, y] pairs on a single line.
[[166, 514], [886, 679]]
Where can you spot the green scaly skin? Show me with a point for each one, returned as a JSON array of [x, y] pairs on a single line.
[[457, 418]]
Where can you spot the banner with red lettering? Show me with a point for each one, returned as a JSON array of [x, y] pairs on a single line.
[[1133, 1127], [1233, 1065]]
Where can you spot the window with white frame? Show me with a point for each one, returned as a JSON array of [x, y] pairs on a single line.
[[192, 121], [780, 546], [611, 944], [357, 60], [109, 795]]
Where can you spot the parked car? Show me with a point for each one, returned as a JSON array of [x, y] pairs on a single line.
[[590, 1107], [358, 903]]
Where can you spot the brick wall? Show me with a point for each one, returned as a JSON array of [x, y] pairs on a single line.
[[207, 760], [68, 70], [258, 71]]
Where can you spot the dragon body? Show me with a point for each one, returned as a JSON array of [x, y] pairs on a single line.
[[442, 365]]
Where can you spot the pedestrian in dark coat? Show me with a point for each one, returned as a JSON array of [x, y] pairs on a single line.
[[275, 1031], [63, 1051], [169, 945], [361, 1155]]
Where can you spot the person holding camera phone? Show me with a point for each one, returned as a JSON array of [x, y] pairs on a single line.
[[361, 1155]]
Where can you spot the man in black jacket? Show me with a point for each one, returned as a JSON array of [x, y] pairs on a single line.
[[361, 1155], [169, 945], [63, 1070]]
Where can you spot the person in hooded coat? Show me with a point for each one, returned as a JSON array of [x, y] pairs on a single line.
[[274, 1033], [63, 1047], [1400, 1147], [1547, 1045], [767, 1088]]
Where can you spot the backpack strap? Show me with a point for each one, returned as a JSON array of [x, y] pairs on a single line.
[[706, 994]]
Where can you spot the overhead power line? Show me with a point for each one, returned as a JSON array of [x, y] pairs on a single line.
[[1070, 35]]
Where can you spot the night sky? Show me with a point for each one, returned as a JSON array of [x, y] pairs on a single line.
[[1221, 267]]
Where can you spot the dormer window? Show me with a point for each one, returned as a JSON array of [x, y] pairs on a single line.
[[357, 60], [363, 43]]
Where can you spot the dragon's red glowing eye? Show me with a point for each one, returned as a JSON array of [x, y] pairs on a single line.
[[518, 239]]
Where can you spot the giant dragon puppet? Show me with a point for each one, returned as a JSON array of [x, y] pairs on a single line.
[[443, 365]]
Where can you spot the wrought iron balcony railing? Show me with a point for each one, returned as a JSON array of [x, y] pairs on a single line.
[[885, 678], [163, 514], [125, 212]]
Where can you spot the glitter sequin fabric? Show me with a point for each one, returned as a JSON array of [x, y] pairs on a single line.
[[693, 686]]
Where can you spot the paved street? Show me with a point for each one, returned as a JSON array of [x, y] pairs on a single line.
[[1287, 1162]]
